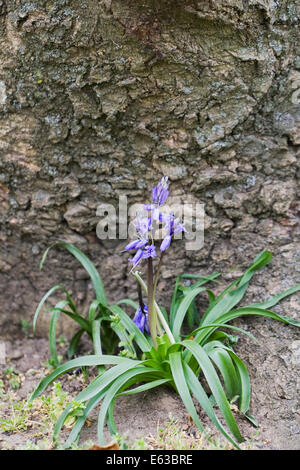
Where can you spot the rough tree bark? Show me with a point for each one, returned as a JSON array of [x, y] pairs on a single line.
[[100, 98]]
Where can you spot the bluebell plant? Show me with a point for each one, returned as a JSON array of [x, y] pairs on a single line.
[[153, 349], [145, 248]]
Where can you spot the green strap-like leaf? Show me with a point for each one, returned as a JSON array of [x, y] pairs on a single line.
[[128, 302], [149, 376], [233, 297], [100, 382], [202, 335], [217, 299], [174, 300], [87, 265], [210, 328], [204, 280], [96, 334], [214, 384], [276, 298], [242, 374], [131, 327], [261, 260], [224, 305], [94, 307], [74, 434], [245, 386], [225, 365], [182, 388], [74, 343], [112, 428], [260, 312], [211, 296], [110, 395], [96, 325], [73, 364], [182, 309], [77, 318], [50, 291], [91, 404], [98, 386], [200, 395], [192, 314], [145, 387], [52, 330]]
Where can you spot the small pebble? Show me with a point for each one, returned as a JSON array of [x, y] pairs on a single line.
[[16, 354]]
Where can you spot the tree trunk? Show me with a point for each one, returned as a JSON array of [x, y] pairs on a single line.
[[101, 98]]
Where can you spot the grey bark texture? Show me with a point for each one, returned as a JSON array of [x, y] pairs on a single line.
[[101, 98]]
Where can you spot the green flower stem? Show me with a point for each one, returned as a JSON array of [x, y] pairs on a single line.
[[158, 324], [158, 311], [151, 311]]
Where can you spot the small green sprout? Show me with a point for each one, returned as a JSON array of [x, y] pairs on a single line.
[[13, 377], [26, 328]]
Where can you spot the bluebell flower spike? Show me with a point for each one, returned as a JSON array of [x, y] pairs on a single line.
[[144, 225]]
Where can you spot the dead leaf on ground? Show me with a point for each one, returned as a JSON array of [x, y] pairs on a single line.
[[190, 419], [112, 446]]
